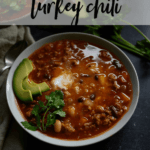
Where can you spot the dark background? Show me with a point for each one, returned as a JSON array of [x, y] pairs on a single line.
[[135, 135]]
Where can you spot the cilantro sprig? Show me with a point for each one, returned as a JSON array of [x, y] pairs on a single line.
[[46, 114]]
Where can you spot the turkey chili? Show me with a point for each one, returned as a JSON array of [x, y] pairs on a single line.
[[96, 87]]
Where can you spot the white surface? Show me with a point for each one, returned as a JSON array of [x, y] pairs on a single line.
[[85, 37]]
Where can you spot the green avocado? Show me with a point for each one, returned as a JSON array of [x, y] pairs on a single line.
[[29, 65], [19, 75], [22, 88], [43, 86], [35, 89]]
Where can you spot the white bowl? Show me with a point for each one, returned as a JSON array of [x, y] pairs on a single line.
[[89, 38]]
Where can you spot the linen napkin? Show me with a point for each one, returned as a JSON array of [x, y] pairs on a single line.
[[9, 36]]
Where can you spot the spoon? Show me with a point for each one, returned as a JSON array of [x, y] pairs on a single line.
[[12, 54]]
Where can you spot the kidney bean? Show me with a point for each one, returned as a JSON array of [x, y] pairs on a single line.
[[92, 96], [47, 76], [81, 99], [81, 81], [96, 77], [57, 126]]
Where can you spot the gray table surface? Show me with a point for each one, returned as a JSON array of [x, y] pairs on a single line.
[[135, 135]]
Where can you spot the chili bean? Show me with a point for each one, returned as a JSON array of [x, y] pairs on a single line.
[[81, 81], [47, 76], [57, 126], [92, 96], [71, 111], [81, 99], [96, 77]]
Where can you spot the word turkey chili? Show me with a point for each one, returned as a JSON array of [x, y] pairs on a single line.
[[96, 86]]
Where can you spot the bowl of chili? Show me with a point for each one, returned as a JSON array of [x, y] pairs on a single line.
[[94, 82]]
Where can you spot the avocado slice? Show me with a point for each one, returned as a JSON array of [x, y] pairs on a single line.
[[22, 88], [43, 86], [35, 89], [29, 65], [19, 75]]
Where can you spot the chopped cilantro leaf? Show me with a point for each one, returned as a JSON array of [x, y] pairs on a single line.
[[60, 112], [27, 125], [42, 106], [36, 110], [55, 99], [51, 119], [38, 122]]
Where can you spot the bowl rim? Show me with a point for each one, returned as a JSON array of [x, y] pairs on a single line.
[[75, 143]]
